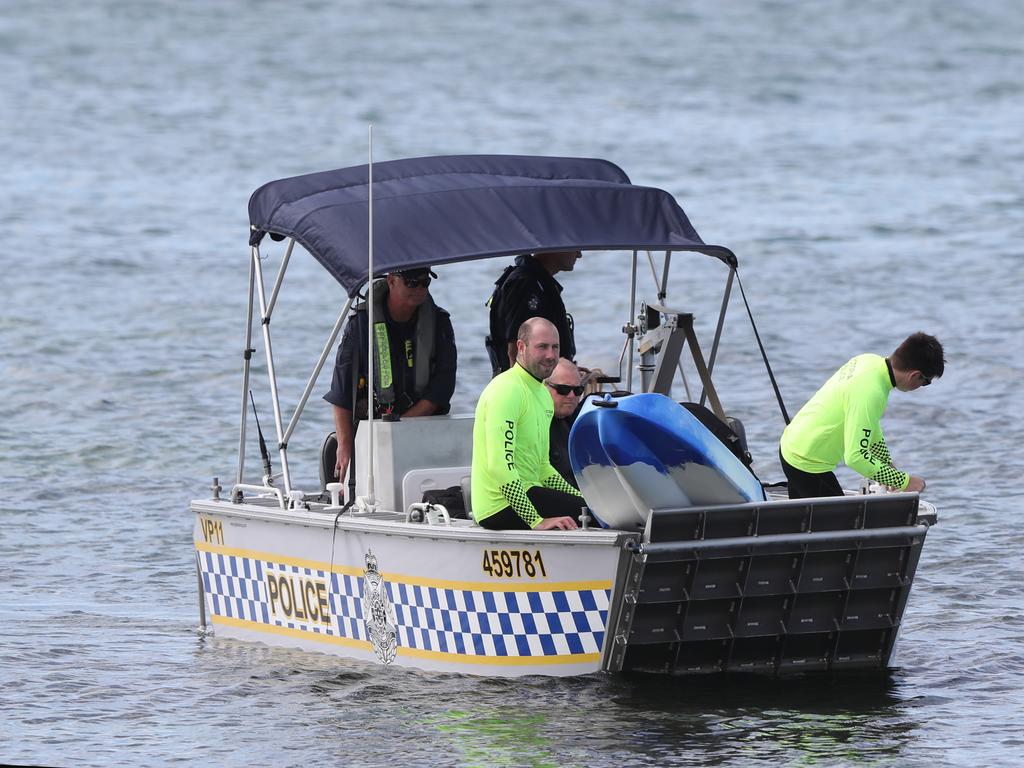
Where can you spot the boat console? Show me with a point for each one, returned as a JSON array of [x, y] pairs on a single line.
[[415, 455]]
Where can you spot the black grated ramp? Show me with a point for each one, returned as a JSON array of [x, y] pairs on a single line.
[[772, 587]]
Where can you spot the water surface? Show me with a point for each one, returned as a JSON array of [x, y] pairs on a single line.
[[862, 159]]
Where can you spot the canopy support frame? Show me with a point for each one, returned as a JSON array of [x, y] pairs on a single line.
[[246, 361], [661, 287], [280, 276], [317, 368], [718, 329], [629, 328], [266, 312], [282, 446]]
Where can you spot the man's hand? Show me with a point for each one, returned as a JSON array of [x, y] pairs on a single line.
[[556, 523], [916, 484]]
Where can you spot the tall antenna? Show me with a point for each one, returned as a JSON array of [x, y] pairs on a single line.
[[370, 501]]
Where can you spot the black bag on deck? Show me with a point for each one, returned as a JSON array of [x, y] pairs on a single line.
[[450, 498], [722, 431]]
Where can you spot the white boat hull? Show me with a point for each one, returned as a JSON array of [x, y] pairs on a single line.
[[454, 599]]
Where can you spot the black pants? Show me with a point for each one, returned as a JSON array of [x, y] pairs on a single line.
[[549, 503], [809, 485]]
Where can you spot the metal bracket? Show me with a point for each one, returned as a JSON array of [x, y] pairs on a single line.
[[666, 342], [432, 514]]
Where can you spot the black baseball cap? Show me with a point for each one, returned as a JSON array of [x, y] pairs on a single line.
[[416, 273]]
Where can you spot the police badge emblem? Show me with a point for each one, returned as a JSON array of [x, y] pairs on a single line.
[[378, 613]]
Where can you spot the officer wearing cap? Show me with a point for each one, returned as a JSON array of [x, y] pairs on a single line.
[[528, 289], [414, 366]]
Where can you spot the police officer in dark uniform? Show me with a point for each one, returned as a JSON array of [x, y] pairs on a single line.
[[524, 290], [414, 373]]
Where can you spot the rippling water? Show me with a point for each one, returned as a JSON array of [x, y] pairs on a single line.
[[863, 159]]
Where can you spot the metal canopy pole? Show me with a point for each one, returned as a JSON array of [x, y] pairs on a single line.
[[654, 275], [629, 324], [370, 500], [316, 370], [247, 356], [280, 276], [661, 287], [282, 446], [718, 330], [663, 292]]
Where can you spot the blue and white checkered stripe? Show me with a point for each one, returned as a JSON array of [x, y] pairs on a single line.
[[472, 622], [347, 606], [235, 587], [499, 623]]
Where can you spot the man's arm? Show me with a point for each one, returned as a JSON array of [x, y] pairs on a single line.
[[881, 452], [558, 483], [422, 407], [343, 431], [864, 444], [340, 393], [340, 397], [437, 396]]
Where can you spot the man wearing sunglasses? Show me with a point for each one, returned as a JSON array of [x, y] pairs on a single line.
[[565, 389], [414, 369], [528, 289], [841, 421]]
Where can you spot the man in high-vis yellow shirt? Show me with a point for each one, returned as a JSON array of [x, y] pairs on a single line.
[[841, 421], [514, 485]]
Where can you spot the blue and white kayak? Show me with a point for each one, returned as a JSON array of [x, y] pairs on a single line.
[[641, 452]]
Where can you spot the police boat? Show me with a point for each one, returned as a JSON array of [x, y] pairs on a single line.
[[688, 566]]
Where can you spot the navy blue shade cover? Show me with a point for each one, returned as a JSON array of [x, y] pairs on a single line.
[[440, 210]]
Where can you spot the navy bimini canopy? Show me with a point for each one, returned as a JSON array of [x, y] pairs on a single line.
[[440, 210]]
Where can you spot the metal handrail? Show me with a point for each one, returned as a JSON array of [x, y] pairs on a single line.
[[811, 537], [264, 490]]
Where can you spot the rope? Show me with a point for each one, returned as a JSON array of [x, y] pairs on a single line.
[[764, 355]]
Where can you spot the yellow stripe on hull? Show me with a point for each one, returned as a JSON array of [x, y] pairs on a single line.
[[273, 629], [417, 581], [416, 653]]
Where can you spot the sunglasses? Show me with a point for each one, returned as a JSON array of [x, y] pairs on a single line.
[[416, 282], [565, 389], [925, 380]]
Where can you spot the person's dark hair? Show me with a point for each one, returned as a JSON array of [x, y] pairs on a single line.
[[920, 352]]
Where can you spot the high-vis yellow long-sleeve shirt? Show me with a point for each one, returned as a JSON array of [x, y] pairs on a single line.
[[510, 446], [841, 423]]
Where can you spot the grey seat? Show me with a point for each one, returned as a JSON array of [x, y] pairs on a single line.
[[328, 460]]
